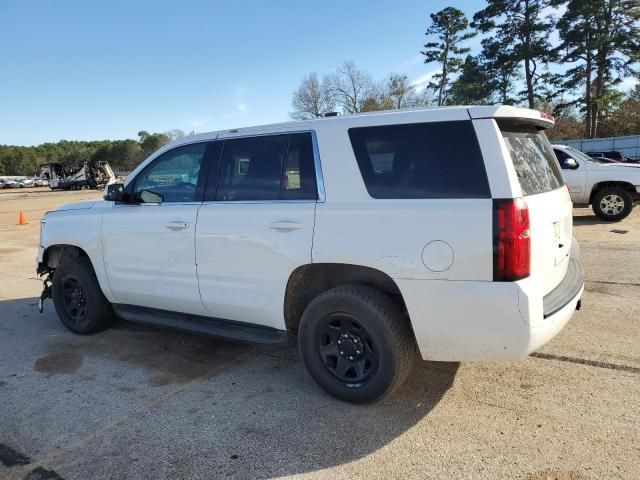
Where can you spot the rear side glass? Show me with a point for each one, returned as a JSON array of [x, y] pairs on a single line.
[[421, 160], [268, 167], [533, 158]]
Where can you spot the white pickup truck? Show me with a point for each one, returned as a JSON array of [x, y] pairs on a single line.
[[612, 189]]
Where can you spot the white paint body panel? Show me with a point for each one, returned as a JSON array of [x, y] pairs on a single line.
[[245, 255], [231, 264], [148, 264]]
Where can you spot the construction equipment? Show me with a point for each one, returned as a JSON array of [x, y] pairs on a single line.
[[70, 176]]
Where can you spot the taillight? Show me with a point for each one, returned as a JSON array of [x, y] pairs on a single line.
[[511, 240]]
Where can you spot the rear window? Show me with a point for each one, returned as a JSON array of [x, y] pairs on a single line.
[[533, 158], [421, 160]]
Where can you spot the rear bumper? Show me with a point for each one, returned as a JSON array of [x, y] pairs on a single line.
[[489, 321]]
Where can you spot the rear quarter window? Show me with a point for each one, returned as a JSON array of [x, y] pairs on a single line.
[[421, 160], [533, 158]]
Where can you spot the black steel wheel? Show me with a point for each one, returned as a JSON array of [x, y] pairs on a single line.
[[79, 301], [356, 343], [74, 299], [347, 349]]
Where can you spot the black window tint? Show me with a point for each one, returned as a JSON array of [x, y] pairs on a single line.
[[174, 174], [299, 182], [267, 168], [251, 168], [533, 158], [424, 160]]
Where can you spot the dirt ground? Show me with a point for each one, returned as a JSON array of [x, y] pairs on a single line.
[[141, 402]]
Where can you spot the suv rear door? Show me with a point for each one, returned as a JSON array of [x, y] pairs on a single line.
[[256, 225], [550, 207]]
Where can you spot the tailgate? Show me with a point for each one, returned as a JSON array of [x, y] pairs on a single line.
[[548, 200], [550, 216]]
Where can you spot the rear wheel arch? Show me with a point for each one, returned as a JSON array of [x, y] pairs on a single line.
[[609, 184], [308, 281]]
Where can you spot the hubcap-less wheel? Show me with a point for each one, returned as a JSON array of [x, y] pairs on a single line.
[[612, 204], [74, 299], [347, 349]]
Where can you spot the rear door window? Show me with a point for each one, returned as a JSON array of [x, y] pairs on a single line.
[[533, 158], [268, 167], [421, 160]]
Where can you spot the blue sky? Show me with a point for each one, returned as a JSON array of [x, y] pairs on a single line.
[[94, 70]]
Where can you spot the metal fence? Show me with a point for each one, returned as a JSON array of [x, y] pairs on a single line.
[[629, 145]]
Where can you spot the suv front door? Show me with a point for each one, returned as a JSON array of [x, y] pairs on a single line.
[[256, 225], [148, 241]]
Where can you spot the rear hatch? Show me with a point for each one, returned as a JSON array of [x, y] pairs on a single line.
[[548, 200]]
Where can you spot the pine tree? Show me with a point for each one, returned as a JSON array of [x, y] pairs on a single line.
[[451, 27], [602, 39], [523, 31]]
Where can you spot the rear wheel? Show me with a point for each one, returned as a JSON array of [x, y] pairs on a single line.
[[78, 299], [356, 343], [612, 203]]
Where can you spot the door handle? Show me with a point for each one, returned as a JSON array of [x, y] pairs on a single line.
[[177, 225], [286, 226]]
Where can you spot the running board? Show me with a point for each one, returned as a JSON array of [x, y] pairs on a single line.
[[240, 331]]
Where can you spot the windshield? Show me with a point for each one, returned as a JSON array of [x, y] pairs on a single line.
[[583, 156]]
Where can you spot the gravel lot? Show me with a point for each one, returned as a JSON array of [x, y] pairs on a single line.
[[140, 402]]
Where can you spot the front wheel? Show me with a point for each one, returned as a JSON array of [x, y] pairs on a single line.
[[356, 343], [612, 204], [79, 301]]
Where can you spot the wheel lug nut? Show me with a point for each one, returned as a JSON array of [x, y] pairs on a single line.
[[341, 352], [350, 358], [358, 352], [339, 342]]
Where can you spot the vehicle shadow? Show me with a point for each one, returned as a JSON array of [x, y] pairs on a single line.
[[579, 221], [269, 418]]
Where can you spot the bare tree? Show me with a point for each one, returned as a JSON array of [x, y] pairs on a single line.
[[174, 134], [350, 87], [400, 93], [312, 99]]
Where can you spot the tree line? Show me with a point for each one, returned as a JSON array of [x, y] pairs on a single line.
[[576, 77], [122, 155]]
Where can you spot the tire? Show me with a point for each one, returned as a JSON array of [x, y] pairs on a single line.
[[356, 343], [78, 299], [612, 204]]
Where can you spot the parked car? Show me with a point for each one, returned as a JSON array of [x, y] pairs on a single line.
[[612, 155], [14, 184], [612, 190], [369, 237], [28, 182]]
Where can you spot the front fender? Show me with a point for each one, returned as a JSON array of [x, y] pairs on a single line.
[[76, 228]]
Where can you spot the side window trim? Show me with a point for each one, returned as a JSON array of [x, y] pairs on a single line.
[[204, 169], [213, 176]]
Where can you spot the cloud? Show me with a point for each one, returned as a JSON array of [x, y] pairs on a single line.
[[199, 122], [410, 62], [239, 96], [422, 81]]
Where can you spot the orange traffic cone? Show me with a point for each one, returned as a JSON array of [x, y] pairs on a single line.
[[22, 220]]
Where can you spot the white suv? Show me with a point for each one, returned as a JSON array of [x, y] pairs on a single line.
[[372, 237], [612, 189]]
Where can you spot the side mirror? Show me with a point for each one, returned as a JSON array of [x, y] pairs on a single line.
[[114, 192], [571, 164]]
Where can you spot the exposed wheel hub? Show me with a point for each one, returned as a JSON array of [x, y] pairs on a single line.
[[347, 349], [350, 346]]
